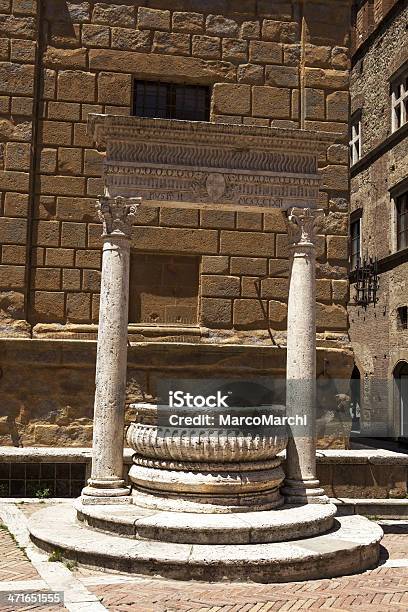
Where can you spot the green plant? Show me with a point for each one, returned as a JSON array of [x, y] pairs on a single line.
[[56, 556], [42, 493], [71, 565]]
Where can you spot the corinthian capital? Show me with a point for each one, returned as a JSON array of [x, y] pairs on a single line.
[[302, 225], [117, 215]]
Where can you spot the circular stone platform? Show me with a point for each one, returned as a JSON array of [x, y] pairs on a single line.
[[190, 528], [350, 547]]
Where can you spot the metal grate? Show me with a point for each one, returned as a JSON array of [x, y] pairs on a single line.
[[42, 479], [366, 282], [171, 101]]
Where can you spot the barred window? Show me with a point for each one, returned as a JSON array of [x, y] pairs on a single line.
[[171, 101], [402, 221], [42, 479]]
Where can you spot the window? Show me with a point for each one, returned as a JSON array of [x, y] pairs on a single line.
[[402, 315], [355, 251], [401, 203], [355, 139], [171, 101], [399, 102]]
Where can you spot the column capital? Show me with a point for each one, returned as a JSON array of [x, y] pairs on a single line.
[[117, 215], [302, 225]]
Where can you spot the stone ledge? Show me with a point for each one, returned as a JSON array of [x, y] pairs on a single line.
[[373, 457], [378, 508], [48, 454], [44, 454]]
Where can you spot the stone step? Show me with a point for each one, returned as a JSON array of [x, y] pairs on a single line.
[[378, 508], [281, 525], [350, 547]]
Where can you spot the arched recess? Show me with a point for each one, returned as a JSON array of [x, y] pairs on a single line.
[[401, 397]]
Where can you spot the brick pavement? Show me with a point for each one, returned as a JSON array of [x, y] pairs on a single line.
[[374, 591], [14, 565]]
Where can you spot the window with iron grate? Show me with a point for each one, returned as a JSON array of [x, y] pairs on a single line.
[[42, 479], [171, 101]]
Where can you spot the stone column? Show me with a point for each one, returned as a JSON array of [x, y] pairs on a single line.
[[117, 215], [301, 485]]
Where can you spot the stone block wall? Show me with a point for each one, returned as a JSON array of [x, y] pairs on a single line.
[[367, 15], [19, 38], [274, 64], [164, 289], [271, 67], [378, 342]]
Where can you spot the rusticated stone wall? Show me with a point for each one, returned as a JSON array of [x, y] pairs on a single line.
[[379, 342], [19, 37], [272, 64]]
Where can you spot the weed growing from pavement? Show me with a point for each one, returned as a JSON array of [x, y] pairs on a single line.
[[56, 557], [71, 565]]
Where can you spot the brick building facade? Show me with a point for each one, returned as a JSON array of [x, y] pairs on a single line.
[[379, 175], [208, 288]]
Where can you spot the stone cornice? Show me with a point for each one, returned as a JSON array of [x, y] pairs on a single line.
[[105, 127]]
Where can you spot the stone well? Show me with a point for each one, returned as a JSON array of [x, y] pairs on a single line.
[[204, 506], [202, 470]]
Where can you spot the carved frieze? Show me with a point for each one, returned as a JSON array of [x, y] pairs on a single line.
[[180, 163]]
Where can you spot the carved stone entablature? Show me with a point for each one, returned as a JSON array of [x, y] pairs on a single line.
[[117, 215], [209, 165]]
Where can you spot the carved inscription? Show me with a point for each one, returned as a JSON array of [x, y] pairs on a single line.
[[188, 186]]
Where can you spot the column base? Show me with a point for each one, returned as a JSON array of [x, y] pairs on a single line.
[[105, 488], [301, 492]]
